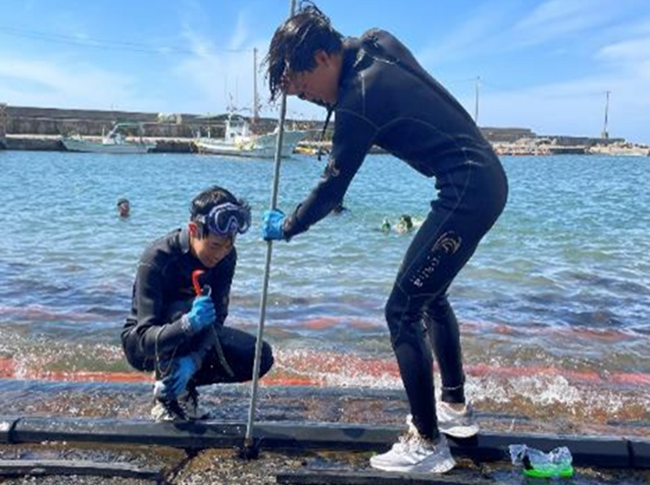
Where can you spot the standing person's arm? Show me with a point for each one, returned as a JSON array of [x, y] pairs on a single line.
[[354, 135]]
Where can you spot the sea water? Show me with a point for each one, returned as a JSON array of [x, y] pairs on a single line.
[[553, 306]]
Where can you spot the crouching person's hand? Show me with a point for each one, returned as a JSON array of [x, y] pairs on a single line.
[[201, 316], [175, 382]]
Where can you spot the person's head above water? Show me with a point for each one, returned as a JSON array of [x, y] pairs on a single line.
[[304, 58], [404, 224], [123, 207], [216, 217], [407, 221]]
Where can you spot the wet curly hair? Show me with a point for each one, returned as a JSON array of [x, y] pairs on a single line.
[[295, 43]]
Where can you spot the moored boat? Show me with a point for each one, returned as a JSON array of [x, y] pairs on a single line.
[[115, 142], [239, 141], [621, 149]]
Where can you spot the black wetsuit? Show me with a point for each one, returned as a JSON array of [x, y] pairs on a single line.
[[153, 333], [386, 98]]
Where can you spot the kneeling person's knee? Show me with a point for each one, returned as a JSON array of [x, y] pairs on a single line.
[[267, 360]]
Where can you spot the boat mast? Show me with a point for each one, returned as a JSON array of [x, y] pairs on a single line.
[[604, 134]]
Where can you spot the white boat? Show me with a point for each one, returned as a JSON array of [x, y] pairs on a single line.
[[114, 142], [239, 141], [621, 149]]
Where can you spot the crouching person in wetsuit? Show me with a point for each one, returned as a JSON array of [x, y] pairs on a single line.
[[382, 96], [181, 335]]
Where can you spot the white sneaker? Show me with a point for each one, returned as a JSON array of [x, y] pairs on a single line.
[[412, 453], [459, 424], [163, 411], [186, 408]]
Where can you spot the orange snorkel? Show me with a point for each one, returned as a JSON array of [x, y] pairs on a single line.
[[206, 290]]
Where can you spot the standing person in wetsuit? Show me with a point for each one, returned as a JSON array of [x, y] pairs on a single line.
[[382, 96], [177, 334]]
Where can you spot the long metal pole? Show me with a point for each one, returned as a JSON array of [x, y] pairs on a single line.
[[255, 102], [267, 267]]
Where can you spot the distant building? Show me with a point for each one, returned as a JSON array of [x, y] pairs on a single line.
[[584, 141], [507, 135]]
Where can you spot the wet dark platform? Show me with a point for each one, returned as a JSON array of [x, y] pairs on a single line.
[[11, 468], [600, 451]]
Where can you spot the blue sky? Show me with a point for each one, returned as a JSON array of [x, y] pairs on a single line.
[[545, 65]]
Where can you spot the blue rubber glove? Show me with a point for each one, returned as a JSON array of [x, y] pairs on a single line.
[[182, 370], [273, 224], [201, 316]]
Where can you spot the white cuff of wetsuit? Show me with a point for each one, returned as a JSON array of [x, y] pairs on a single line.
[[186, 325]]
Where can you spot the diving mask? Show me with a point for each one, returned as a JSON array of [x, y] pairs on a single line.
[[227, 219]]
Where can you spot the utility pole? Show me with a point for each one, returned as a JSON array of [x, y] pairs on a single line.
[[478, 87], [255, 100], [604, 134]]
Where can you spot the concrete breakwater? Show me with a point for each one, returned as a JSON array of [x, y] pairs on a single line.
[[52, 121], [3, 124], [30, 128], [41, 129]]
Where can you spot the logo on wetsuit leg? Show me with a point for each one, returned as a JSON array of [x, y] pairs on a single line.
[[446, 245], [449, 243]]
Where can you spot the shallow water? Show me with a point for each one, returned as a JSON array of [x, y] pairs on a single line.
[[554, 306]]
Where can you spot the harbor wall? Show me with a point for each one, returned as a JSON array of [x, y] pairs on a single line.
[[33, 128], [23, 120], [47, 126], [586, 141], [507, 135], [51, 121], [3, 124]]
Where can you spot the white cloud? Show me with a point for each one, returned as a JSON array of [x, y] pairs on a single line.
[[575, 107], [572, 106], [241, 32], [220, 77], [474, 35], [632, 50], [629, 58], [637, 27], [56, 83], [556, 18], [553, 11], [498, 26]]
